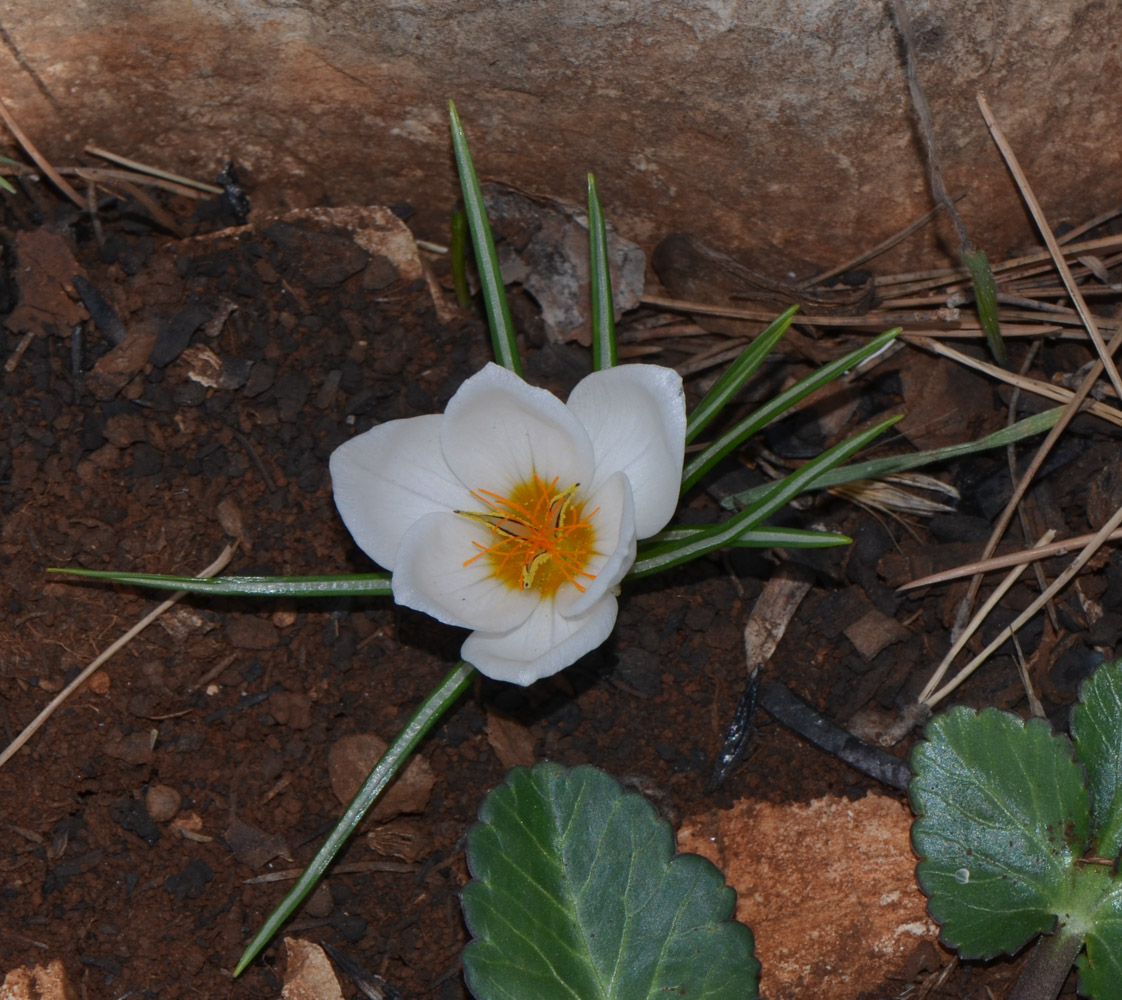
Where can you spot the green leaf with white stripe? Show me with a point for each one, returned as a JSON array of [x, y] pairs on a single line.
[[578, 895]]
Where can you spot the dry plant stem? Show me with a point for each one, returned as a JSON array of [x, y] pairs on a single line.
[[1047, 390], [1050, 242], [976, 622], [880, 248], [926, 128], [1062, 547], [143, 168], [29, 148], [915, 322], [1021, 488], [1057, 585], [1035, 707], [1105, 359], [215, 567], [1011, 457]]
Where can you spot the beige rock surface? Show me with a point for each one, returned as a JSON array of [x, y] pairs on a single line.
[[828, 888], [308, 975], [352, 758], [39, 982], [782, 127]]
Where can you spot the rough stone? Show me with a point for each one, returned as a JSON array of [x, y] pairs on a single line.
[[782, 129], [828, 886], [40, 982], [309, 975], [352, 758]]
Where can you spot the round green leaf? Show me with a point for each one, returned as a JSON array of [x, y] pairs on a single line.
[[1096, 727], [1002, 816], [578, 894]]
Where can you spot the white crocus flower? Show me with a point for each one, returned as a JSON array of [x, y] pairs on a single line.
[[516, 515]]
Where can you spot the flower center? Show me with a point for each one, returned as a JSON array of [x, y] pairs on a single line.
[[540, 536]]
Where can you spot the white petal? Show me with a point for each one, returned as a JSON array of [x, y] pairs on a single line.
[[545, 643], [498, 431], [636, 416], [387, 478], [431, 576], [614, 522]]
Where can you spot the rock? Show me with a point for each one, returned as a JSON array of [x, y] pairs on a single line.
[[252, 846], [291, 709], [352, 758], [542, 244], [828, 888], [309, 975], [40, 982], [320, 903], [162, 803], [781, 128]]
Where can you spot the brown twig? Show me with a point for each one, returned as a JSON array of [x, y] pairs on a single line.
[[1080, 394], [9, 751], [1062, 547], [44, 165], [144, 168], [1073, 290]]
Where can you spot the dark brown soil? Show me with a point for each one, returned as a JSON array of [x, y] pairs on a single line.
[[235, 704]]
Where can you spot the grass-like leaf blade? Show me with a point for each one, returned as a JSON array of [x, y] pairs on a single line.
[[397, 754], [701, 463], [985, 298], [767, 537], [733, 378], [654, 558], [600, 280], [344, 585], [875, 468], [486, 260], [1002, 819], [577, 894]]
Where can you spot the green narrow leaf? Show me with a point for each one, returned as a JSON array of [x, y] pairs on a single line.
[[600, 279], [397, 754], [1002, 817], [875, 468], [486, 260], [577, 894], [767, 537], [1096, 728], [343, 585], [656, 558], [6, 185], [458, 253], [705, 460], [985, 298], [734, 377]]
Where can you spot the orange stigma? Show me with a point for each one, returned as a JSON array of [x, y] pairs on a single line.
[[540, 536]]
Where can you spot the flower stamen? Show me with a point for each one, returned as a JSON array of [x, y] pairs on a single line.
[[541, 536]]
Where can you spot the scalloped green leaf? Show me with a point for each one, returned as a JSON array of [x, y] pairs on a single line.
[[1100, 965], [1096, 728], [1002, 816], [577, 893]]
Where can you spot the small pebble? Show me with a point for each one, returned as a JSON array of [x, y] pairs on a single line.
[[99, 683], [162, 803], [284, 618], [320, 903]]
